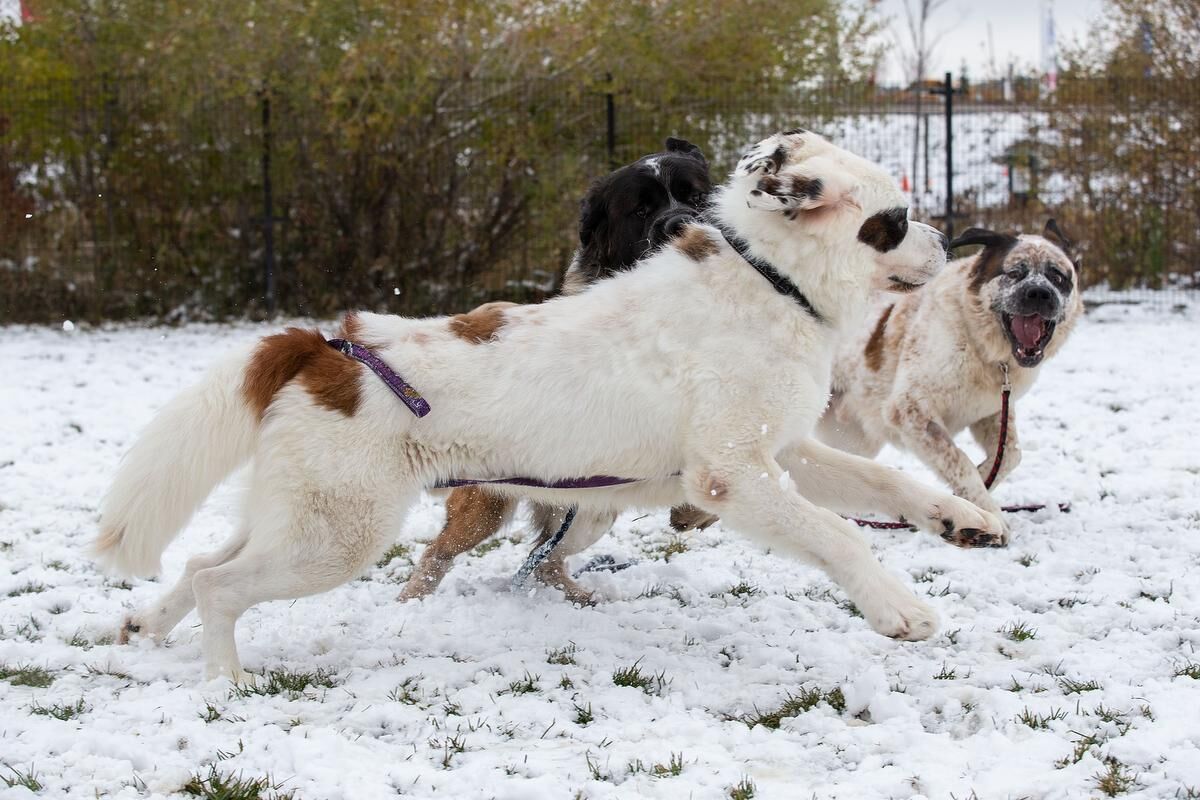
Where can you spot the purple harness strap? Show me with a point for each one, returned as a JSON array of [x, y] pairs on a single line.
[[408, 395], [593, 482]]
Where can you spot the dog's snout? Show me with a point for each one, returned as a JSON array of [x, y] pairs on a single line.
[[1039, 298]]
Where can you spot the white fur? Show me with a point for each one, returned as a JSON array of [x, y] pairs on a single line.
[[696, 370]]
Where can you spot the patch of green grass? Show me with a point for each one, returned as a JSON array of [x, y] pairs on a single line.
[[1189, 670], [794, 705], [1083, 745], [60, 711], [562, 656], [79, 640], [634, 677], [671, 769], [674, 546], [216, 786], [57, 564], [946, 673], [526, 685], [33, 587], [407, 692], [743, 589], [397, 550], [1040, 721], [583, 714], [17, 778], [26, 676], [483, 548], [1116, 778], [742, 790], [1019, 632], [566, 683], [1027, 560], [450, 747], [283, 681], [1071, 686], [594, 769]]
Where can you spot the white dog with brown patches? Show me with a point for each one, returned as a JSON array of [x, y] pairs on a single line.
[[696, 373], [932, 363]]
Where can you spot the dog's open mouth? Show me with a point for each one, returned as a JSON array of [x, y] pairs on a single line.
[[898, 284], [1029, 335]]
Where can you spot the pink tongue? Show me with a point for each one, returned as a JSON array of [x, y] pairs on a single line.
[[1028, 330]]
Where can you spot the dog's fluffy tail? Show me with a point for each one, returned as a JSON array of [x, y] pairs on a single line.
[[196, 441]]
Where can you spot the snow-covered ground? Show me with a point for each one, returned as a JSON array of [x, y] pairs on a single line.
[[1067, 664]]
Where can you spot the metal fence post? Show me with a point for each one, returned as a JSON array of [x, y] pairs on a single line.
[[948, 88], [610, 113], [268, 208]]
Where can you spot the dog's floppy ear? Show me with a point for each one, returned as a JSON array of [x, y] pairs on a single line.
[[684, 147], [767, 157], [984, 237], [593, 212], [1054, 234], [818, 184]]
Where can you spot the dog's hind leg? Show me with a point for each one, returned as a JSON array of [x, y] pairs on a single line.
[[589, 525], [289, 555], [750, 494], [473, 514], [158, 620]]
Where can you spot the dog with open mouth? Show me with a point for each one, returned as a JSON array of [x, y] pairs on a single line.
[[701, 375], [931, 363], [624, 215]]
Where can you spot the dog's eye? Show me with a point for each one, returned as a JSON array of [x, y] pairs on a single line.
[[1057, 278], [1017, 271]]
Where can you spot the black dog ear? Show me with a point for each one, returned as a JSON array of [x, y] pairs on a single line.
[[1054, 234], [984, 237], [592, 214], [684, 147]]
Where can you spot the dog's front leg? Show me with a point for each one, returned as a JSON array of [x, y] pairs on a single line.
[[850, 484], [923, 434], [750, 492], [987, 434]]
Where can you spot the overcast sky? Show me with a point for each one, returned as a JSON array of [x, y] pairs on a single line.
[[1016, 32]]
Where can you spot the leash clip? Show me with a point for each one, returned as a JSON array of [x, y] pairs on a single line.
[[1007, 385], [347, 347]]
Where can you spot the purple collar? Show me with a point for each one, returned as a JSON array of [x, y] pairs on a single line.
[[408, 395]]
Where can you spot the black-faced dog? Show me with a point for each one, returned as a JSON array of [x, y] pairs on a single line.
[[635, 209], [931, 363], [624, 216]]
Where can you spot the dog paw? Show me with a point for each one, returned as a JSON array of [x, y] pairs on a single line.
[[964, 524], [905, 618]]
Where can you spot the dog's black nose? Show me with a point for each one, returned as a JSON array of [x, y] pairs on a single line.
[[1039, 299]]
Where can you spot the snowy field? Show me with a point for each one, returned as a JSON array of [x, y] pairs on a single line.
[[1067, 664]]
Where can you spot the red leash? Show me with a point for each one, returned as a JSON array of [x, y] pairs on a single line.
[[1005, 391]]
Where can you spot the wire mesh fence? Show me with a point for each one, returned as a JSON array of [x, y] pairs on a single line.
[[120, 199]]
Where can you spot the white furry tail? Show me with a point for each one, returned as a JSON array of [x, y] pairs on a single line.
[[197, 440]]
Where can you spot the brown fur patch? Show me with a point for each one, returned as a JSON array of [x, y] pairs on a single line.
[[989, 265], [330, 377], [480, 325], [696, 244], [686, 518], [472, 515], [873, 352]]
